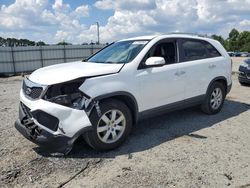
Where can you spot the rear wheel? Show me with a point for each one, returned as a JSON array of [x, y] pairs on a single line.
[[214, 99], [111, 128]]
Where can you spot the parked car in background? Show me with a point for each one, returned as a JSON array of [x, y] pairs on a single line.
[[244, 72], [231, 54], [237, 54], [245, 54], [104, 96]]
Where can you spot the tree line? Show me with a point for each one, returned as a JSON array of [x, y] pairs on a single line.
[[25, 42], [10, 42], [19, 42], [236, 41]]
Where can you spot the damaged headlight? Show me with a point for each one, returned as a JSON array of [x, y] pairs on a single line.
[[67, 94]]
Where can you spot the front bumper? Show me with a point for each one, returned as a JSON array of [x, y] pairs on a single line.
[[56, 131], [244, 80], [244, 75], [60, 143]]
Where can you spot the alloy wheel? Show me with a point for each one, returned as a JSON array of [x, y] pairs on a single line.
[[216, 98], [111, 126]]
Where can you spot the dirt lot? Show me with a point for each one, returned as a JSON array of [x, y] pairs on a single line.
[[180, 149], [236, 62]]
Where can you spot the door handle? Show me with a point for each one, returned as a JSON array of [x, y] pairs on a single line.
[[212, 66], [179, 73]]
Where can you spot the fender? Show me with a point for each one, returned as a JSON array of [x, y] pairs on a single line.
[[126, 97], [216, 79]]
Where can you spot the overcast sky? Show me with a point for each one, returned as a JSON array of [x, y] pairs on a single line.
[[74, 20]]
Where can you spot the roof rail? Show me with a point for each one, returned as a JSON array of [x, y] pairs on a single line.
[[191, 34]]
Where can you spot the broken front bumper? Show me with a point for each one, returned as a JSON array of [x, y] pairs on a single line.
[[50, 125], [60, 143]]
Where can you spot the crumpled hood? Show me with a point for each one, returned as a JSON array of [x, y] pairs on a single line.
[[70, 71]]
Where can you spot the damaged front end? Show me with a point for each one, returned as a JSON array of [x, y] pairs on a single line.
[[68, 94], [57, 117]]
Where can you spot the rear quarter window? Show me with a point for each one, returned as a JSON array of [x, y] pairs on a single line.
[[212, 51], [197, 49]]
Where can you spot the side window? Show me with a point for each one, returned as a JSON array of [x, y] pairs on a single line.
[[197, 49], [167, 50], [212, 52], [193, 50]]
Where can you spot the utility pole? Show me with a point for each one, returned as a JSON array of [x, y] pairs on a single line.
[[98, 37]]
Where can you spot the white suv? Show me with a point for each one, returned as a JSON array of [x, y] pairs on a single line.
[[101, 98]]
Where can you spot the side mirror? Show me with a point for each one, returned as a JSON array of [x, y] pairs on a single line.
[[155, 61]]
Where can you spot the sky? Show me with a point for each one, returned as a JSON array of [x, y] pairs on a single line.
[[74, 21]]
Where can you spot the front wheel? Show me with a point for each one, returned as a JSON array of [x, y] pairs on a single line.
[[214, 98], [111, 128]]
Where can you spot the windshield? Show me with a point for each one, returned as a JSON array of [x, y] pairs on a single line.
[[119, 52]]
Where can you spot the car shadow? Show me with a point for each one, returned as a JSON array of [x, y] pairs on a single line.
[[245, 85], [152, 132]]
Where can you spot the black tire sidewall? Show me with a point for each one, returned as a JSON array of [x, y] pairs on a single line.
[[244, 84], [92, 137]]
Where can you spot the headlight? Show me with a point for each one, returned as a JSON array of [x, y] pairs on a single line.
[[66, 94]]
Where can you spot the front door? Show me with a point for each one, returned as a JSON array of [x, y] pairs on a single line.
[[163, 85]]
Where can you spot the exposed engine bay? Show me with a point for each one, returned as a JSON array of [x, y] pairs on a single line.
[[68, 94]]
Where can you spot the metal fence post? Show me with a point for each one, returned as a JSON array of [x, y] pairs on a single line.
[[92, 49], [64, 54], [13, 60], [41, 56]]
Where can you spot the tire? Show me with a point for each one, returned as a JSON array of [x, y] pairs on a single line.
[[115, 121], [215, 95], [244, 84]]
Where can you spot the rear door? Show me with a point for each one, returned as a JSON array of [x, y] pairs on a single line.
[[200, 61]]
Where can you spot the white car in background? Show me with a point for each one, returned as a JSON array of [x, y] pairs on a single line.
[[104, 96]]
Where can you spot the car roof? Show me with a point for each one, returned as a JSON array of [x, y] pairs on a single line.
[[155, 38], [146, 37], [168, 35]]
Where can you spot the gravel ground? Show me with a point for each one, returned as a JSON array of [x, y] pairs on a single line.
[[180, 149], [236, 62]]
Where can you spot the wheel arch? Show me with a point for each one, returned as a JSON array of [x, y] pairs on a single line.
[[125, 97], [220, 79]]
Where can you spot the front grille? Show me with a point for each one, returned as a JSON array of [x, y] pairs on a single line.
[[32, 92], [242, 74]]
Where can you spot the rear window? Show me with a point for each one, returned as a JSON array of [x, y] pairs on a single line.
[[197, 49]]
